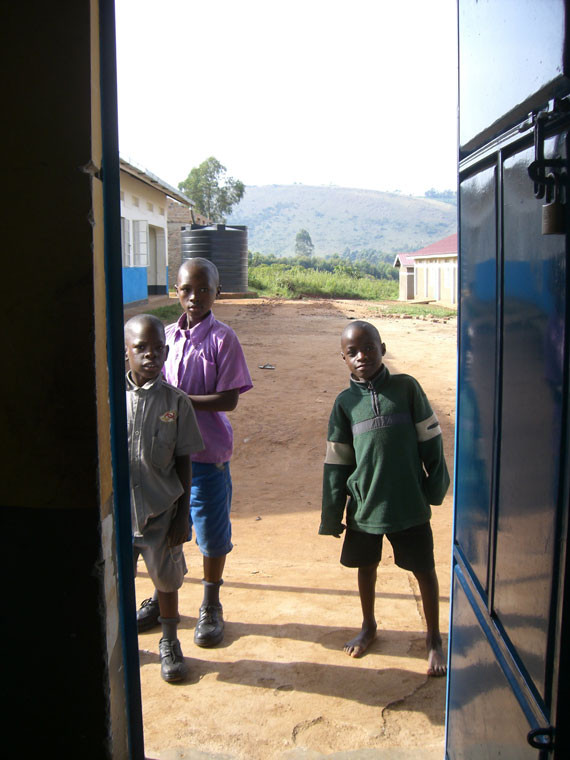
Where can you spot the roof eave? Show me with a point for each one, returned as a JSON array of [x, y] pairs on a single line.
[[153, 181]]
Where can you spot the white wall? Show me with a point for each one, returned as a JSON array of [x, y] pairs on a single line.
[[142, 203]]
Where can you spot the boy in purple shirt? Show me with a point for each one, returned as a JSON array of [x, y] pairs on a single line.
[[206, 361]]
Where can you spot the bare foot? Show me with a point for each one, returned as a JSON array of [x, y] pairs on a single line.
[[437, 665], [359, 644]]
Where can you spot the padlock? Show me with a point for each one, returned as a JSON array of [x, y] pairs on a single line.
[[553, 218], [553, 214]]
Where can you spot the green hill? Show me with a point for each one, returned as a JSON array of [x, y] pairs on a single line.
[[338, 218]]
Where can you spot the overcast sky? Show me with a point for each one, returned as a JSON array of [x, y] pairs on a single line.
[[355, 94]]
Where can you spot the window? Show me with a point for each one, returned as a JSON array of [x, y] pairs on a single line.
[[140, 243], [149, 206], [135, 201], [126, 242]]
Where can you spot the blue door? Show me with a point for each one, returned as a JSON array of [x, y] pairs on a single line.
[[507, 688]]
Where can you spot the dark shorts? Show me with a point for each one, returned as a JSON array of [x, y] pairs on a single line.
[[413, 548]]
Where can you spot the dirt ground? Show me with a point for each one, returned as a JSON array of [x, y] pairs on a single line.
[[280, 686]]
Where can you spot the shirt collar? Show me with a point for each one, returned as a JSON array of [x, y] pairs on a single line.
[[197, 333], [132, 386], [379, 379]]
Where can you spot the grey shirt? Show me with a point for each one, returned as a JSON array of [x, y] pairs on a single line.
[[161, 426]]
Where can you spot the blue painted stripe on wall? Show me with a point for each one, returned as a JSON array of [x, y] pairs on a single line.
[[135, 287]]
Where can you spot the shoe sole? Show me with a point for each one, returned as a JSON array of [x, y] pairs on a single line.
[[208, 642], [175, 678]]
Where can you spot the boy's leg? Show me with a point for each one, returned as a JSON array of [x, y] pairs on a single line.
[[413, 551], [367, 592], [429, 589], [210, 506], [210, 626], [166, 566], [172, 665]]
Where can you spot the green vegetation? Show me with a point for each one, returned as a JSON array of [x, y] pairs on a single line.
[[446, 196], [170, 313], [416, 309], [339, 217], [213, 193], [359, 275], [363, 275], [303, 244], [295, 280], [367, 262]]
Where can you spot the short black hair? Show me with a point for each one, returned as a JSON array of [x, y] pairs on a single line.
[[199, 261], [145, 319], [360, 324]]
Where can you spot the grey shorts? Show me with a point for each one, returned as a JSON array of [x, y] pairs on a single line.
[[165, 564]]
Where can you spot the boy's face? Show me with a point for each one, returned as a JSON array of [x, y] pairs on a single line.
[[197, 290], [363, 352], [146, 352]]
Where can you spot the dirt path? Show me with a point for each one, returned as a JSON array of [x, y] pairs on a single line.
[[280, 685]]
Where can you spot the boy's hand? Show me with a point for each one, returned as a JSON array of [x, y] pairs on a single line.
[[336, 532], [179, 527]]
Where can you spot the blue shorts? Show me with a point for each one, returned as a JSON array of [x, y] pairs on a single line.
[[210, 504]]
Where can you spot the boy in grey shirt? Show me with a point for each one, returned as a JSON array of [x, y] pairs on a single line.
[[162, 434]]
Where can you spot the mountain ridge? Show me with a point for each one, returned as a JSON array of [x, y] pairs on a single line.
[[338, 218]]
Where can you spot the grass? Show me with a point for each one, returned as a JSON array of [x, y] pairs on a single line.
[[416, 309], [298, 282], [169, 313]]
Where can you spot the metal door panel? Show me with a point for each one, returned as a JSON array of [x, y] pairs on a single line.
[[512, 60], [508, 675], [480, 692], [533, 325], [477, 346]]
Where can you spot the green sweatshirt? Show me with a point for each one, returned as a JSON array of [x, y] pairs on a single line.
[[385, 453]]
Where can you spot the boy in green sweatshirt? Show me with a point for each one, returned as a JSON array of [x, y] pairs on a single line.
[[384, 465]]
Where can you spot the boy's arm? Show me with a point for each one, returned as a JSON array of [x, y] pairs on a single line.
[[339, 464], [232, 376], [437, 479], [224, 401], [430, 446], [180, 525]]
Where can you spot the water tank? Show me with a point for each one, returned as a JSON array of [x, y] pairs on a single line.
[[225, 246]]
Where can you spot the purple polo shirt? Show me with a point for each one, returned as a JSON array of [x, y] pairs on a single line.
[[207, 358]]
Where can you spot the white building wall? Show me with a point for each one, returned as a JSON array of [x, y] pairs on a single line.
[[144, 207]]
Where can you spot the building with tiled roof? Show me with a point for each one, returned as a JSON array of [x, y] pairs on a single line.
[[430, 274]]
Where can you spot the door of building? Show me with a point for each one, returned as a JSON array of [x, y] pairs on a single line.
[[507, 688]]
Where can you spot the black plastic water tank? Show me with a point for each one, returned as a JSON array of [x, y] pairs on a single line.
[[225, 246]]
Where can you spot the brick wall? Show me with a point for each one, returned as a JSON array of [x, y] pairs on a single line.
[[177, 215]]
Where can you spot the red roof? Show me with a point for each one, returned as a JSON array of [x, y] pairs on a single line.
[[447, 246], [406, 259]]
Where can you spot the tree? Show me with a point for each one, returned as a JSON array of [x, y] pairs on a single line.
[[303, 244], [213, 193]]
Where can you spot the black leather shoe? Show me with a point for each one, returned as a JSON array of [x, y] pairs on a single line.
[[147, 615], [172, 665], [210, 626]]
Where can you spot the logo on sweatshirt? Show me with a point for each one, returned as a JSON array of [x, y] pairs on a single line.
[[169, 416]]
